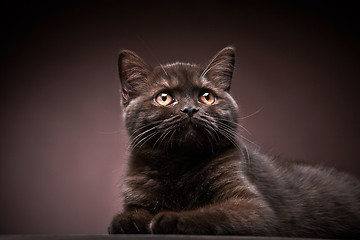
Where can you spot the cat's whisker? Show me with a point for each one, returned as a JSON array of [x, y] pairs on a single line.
[[214, 134], [235, 123], [230, 130], [235, 132], [161, 138], [207, 69], [230, 133], [238, 136], [144, 140], [208, 126], [252, 142], [205, 72], [242, 127], [141, 136], [153, 55], [252, 114], [155, 128], [143, 133], [211, 137], [171, 138], [156, 123], [230, 138], [145, 126], [162, 67]]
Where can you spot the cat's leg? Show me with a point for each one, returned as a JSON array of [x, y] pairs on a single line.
[[131, 221], [233, 217]]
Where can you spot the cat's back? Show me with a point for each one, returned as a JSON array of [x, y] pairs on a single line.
[[306, 195]]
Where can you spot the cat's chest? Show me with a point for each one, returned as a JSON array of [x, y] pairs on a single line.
[[184, 191], [182, 186], [176, 191]]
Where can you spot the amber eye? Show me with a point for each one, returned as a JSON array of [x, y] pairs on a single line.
[[207, 98], [164, 99]]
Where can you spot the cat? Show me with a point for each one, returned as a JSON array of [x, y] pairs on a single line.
[[188, 173]]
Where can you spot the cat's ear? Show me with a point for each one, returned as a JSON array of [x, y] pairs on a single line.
[[133, 71], [220, 68]]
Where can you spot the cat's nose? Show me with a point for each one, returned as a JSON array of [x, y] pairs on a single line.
[[189, 111]]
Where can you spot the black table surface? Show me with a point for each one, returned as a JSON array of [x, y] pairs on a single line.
[[139, 237]]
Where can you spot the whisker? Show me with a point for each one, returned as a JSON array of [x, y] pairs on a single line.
[[225, 130], [236, 143], [230, 130], [152, 124], [235, 123], [146, 126], [205, 72], [151, 53], [211, 136], [252, 114], [209, 127], [162, 67], [143, 133], [230, 138], [207, 69], [171, 138], [161, 138], [155, 128], [232, 135], [144, 140]]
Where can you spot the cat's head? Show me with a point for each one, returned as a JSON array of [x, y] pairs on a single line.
[[179, 106]]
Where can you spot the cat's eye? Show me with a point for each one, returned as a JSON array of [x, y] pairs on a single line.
[[164, 99], [207, 98]]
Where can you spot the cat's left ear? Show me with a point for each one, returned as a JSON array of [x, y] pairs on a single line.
[[220, 68], [133, 71]]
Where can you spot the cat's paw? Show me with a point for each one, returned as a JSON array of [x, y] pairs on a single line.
[[176, 223], [166, 223], [129, 223]]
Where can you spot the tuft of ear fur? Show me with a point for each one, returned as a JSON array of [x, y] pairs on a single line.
[[133, 71], [220, 68]]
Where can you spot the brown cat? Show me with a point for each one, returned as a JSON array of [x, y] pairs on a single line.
[[188, 173]]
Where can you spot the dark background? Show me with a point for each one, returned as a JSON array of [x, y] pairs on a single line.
[[63, 146]]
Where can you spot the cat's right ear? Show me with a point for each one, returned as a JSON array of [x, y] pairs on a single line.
[[133, 71]]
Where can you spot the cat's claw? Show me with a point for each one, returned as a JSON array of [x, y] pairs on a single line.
[[128, 224]]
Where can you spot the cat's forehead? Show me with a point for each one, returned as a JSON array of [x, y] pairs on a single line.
[[179, 75]]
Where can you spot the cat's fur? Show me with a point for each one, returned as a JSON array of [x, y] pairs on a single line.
[[189, 174]]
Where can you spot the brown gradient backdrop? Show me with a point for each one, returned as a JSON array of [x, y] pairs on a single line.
[[63, 146]]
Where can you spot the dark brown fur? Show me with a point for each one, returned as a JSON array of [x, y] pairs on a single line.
[[188, 173]]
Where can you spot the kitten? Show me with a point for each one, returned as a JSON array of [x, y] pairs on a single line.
[[189, 174]]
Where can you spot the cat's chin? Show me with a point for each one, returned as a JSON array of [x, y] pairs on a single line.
[[191, 135]]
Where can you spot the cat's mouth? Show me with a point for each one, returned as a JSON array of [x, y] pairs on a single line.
[[189, 122], [190, 128]]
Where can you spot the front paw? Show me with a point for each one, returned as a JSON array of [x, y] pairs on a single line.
[[129, 223], [166, 223], [178, 223]]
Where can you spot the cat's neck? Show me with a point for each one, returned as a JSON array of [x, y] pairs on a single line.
[[177, 161]]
